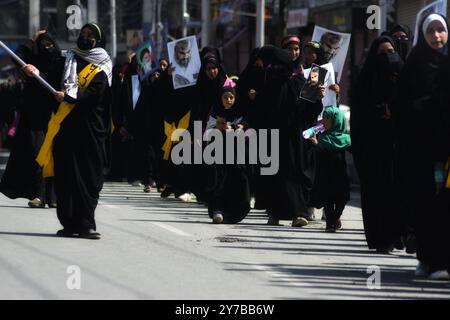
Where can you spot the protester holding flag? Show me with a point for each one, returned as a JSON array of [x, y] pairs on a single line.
[[75, 150]]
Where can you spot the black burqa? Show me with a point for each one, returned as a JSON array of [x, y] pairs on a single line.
[[423, 137], [402, 46], [120, 144], [373, 143], [23, 176], [81, 152], [142, 157], [285, 195], [228, 184], [252, 78]]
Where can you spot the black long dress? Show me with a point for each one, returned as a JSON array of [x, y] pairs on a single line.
[[423, 142], [285, 195], [81, 154], [176, 104], [142, 157], [23, 176], [252, 78], [373, 144], [228, 185], [155, 98], [120, 145], [443, 204]]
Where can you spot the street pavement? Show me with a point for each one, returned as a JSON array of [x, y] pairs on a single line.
[[153, 248]]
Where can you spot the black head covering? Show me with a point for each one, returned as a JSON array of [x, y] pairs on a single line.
[[375, 80], [211, 51], [231, 114], [251, 77], [42, 55], [318, 50], [209, 90], [403, 47], [292, 39], [99, 33], [277, 62], [272, 55]]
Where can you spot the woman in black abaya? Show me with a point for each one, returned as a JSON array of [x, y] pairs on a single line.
[[423, 136], [286, 193], [80, 148], [373, 142], [23, 177], [250, 84]]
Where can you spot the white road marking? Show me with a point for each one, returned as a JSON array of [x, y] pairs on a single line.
[[277, 275], [110, 206], [172, 229]]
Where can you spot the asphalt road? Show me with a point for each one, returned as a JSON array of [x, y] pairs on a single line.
[[165, 249]]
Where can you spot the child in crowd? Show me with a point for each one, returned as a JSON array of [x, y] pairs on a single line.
[[228, 184], [332, 190]]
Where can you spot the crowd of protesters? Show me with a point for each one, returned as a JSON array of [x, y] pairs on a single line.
[[100, 127]]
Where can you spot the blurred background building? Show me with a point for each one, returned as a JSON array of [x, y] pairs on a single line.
[[230, 25]]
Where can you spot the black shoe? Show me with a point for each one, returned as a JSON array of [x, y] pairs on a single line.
[[65, 233], [399, 244], [90, 235], [167, 192], [331, 228], [36, 204], [411, 244], [273, 221], [385, 250]]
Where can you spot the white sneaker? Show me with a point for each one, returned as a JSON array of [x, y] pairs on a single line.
[[439, 275], [252, 202], [187, 197], [218, 217], [422, 270], [137, 184]]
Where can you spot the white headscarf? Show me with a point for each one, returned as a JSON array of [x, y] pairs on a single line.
[[430, 19], [97, 56]]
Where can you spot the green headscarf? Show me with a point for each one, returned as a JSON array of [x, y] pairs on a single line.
[[336, 138]]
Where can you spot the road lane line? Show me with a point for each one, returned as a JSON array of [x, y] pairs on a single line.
[[172, 229], [110, 206]]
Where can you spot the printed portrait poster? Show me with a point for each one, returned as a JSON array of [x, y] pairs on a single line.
[[330, 96], [439, 7], [335, 45], [146, 59], [185, 59], [316, 77]]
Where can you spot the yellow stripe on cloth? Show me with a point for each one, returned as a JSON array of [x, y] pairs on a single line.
[[170, 130], [45, 158]]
